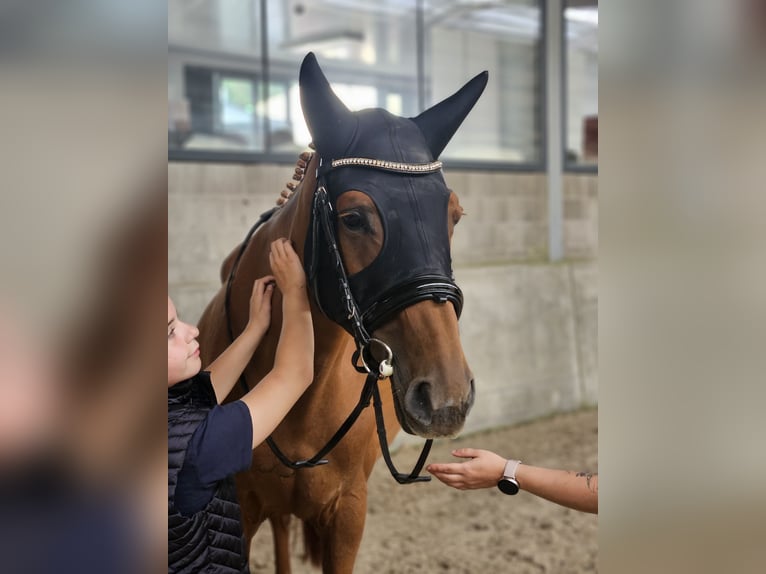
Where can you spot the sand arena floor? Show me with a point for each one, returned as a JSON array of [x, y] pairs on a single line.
[[429, 527]]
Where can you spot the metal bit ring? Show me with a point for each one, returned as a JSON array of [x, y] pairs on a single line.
[[386, 367]]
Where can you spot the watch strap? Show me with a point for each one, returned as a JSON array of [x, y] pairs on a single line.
[[510, 469]]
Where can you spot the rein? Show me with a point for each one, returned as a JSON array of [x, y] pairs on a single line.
[[322, 216]]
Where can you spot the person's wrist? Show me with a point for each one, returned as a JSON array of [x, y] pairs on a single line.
[[297, 296], [256, 328], [294, 289]]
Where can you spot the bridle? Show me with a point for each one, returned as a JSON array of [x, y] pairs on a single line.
[[359, 322]]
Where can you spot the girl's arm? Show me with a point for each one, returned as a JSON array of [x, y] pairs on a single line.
[[485, 468], [227, 368], [293, 371]]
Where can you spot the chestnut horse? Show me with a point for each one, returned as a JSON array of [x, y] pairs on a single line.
[[391, 217]]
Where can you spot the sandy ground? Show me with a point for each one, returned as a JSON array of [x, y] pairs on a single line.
[[429, 527]]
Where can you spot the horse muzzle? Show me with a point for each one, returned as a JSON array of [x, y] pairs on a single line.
[[422, 410]]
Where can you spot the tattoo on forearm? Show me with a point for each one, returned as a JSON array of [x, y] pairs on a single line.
[[589, 482]]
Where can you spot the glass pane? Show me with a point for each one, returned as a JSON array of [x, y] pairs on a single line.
[[227, 26], [236, 118], [214, 75], [376, 36], [581, 26], [276, 111], [366, 48], [463, 39]]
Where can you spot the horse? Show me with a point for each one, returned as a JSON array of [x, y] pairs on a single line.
[[390, 217]]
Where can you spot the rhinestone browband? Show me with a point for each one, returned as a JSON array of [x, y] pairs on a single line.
[[388, 165]]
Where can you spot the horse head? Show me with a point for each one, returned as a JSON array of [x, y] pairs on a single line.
[[392, 218]]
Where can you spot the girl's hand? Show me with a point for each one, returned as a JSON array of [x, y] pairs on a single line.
[[260, 304], [287, 267], [482, 469]]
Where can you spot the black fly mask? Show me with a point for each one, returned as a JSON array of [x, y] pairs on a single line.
[[393, 161]]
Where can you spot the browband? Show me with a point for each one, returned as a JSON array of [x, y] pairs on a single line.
[[394, 166]]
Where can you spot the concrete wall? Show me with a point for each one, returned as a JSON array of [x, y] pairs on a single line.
[[529, 328]]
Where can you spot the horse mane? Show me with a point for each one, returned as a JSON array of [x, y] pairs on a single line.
[[300, 170]]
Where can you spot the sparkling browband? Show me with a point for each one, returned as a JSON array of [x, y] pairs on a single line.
[[388, 165]]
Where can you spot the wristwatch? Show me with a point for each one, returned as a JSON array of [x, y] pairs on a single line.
[[508, 484]]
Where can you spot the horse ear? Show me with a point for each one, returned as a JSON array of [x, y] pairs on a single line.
[[330, 122], [440, 122]]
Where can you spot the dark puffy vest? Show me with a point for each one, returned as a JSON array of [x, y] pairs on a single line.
[[211, 539]]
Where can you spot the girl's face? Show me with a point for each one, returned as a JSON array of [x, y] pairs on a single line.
[[183, 349]]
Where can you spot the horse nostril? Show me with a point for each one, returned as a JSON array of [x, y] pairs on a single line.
[[418, 402], [423, 395]]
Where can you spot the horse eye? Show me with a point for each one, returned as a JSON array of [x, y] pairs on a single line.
[[354, 221]]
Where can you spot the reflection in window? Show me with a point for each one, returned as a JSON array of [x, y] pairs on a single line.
[[581, 33], [370, 51], [463, 39], [235, 117], [210, 99], [366, 48]]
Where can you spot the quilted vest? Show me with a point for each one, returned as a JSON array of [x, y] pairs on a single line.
[[211, 539]]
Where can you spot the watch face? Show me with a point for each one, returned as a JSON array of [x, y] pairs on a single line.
[[508, 486]]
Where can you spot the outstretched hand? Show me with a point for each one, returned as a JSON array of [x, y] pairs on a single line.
[[483, 469]]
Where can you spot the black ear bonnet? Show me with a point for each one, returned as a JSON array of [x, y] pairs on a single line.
[[392, 160]]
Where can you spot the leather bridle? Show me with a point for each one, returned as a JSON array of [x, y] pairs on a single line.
[[359, 322]]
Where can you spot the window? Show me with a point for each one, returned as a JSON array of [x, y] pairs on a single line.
[[464, 38], [214, 80], [581, 41], [233, 82]]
